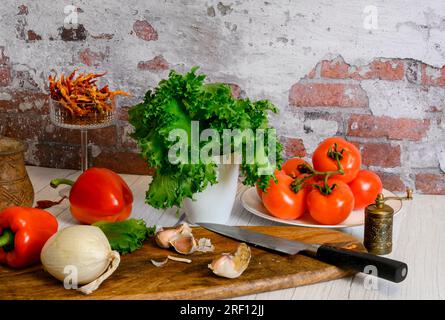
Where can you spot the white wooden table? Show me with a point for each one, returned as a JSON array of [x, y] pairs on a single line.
[[419, 240]]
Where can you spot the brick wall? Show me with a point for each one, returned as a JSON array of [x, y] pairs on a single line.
[[389, 108], [382, 89]]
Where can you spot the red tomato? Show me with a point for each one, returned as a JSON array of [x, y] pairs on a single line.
[[333, 208], [365, 187], [259, 191], [351, 159], [291, 166], [281, 201]]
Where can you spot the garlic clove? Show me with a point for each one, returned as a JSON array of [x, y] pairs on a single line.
[[232, 265], [165, 235], [184, 244]]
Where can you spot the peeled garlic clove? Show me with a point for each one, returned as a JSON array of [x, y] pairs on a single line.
[[184, 244], [232, 265]]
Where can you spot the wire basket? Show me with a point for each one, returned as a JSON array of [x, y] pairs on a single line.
[[61, 117]]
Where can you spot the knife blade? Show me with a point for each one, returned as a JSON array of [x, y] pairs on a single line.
[[385, 268]]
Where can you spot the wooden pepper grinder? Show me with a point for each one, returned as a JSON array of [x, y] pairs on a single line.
[[378, 224]]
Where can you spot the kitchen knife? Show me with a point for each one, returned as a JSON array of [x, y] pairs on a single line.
[[388, 269]]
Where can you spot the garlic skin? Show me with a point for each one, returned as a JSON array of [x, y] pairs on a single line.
[[232, 265], [180, 238], [163, 237], [84, 247], [184, 244]]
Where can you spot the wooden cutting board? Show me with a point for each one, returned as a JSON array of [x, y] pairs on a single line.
[[138, 278]]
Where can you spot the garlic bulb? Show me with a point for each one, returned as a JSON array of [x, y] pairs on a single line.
[[84, 250], [232, 265]]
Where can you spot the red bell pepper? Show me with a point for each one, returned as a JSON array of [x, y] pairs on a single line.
[[98, 195], [23, 232]]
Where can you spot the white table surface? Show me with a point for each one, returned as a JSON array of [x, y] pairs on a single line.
[[418, 240]]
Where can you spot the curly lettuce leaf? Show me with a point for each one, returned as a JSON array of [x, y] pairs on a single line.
[[174, 104]]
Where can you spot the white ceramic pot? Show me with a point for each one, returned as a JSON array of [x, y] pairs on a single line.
[[214, 204]]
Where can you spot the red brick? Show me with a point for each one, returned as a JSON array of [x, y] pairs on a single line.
[[25, 102], [293, 147], [144, 30], [312, 74], [127, 142], [391, 128], [235, 89], [32, 36], [391, 181], [92, 58], [377, 69], [73, 34], [5, 68], [327, 95], [157, 64], [55, 156], [335, 69], [381, 155], [101, 137], [432, 76], [24, 127], [36, 127], [23, 10], [122, 162], [5, 75], [123, 113], [430, 183], [385, 70]]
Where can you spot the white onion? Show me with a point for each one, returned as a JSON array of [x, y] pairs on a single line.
[[84, 248]]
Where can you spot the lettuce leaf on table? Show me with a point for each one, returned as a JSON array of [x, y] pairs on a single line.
[[126, 236]]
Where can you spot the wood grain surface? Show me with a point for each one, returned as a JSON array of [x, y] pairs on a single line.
[[138, 278]]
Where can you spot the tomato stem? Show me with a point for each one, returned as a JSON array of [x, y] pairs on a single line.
[[298, 184], [325, 188], [333, 153]]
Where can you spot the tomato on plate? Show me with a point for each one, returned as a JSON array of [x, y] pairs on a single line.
[[365, 187], [259, 191], [349, 157], [291, 166], [281, 201], [331, 208]]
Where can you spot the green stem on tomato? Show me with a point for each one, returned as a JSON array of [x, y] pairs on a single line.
[[58, 181], [334, 154], [325, 188], [298, 184], [7, 240]]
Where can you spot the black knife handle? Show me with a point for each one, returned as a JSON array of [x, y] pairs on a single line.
[[388, 269]]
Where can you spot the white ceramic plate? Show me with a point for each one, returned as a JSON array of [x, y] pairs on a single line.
[[252, 203]]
